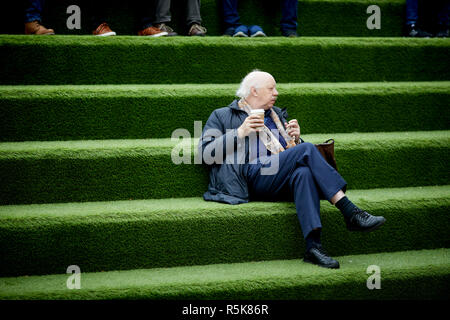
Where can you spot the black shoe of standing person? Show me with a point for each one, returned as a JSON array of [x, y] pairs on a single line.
[[413, 31], [317, 255], [363, 221], [443, 32]]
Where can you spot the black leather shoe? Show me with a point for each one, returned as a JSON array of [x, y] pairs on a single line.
[[363, 221], [318, 256]]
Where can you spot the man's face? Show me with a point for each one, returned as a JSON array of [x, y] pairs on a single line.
[[267, 94]]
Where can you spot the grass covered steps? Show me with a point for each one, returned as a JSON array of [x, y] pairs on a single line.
[[101, 236], [61, 60], [68, 112], [420, 274], [97, 170]]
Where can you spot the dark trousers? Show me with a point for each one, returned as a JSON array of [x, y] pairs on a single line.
[[288, 14], [33, 10], [192, 9], [441, 8], [303, 176]]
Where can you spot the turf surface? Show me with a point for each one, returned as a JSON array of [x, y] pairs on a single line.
[[69, 171], [404, 275], [45, 239], [133, 60], [143, 111]]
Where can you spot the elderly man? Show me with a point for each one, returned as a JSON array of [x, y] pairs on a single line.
[[240, 148]]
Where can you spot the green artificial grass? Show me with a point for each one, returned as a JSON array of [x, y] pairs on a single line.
[[70, 171], [155, 111], [315, 17], [404, 275], [100, 236], [133, 60]]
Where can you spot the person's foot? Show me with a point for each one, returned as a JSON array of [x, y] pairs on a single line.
[[165, 28], [413, 31], [363, 221], [152, 32], [103, 30], [229, 32], [290, 33], [256, 31], [241, 31], [35, 27], [197, 30], [318, 256], [443, 32]]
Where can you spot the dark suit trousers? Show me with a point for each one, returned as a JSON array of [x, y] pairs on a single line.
[[303, 176]]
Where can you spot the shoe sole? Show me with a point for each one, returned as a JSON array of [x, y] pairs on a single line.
[[240, 34], [321, 265], [379, 224], [107, 34], [161, 34], [258, 34]]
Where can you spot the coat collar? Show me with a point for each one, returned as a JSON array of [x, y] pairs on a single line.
[[234, 105]]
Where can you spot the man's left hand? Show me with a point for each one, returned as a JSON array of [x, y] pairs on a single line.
[[293, 129]]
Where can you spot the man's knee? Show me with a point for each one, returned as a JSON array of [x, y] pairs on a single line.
[[301, 174], [304, 148]]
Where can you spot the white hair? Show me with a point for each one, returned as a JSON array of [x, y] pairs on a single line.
[[251, 80]]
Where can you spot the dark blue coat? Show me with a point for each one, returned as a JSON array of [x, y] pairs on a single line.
[[226, 180]]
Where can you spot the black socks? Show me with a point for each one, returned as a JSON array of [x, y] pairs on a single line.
[[313, 239], [346, 207]]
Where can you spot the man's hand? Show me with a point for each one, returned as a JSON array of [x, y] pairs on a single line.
[[253, 123], [293, 129]]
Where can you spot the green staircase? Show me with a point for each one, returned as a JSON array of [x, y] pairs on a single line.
[[87, 176]]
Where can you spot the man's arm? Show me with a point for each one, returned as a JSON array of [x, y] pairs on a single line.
[[213, 142]]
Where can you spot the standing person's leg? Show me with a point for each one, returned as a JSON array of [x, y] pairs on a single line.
[[163, 17], [289, 18], [412, 15], [231, 19], [193, 14], [194, 18], [162, 11], [442, 17], [33, 18], [33, 10]]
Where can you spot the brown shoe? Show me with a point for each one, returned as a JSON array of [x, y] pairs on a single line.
[[197, 30], [35, 27], [103, 30], [152, 32]]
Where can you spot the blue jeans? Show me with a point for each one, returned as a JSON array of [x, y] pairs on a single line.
[[33, 10], [303, 176], [288, 12], [442, 7]]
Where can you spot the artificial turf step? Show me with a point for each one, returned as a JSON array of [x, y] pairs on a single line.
[[134, 60], [98, 170], [100, 236], [47, 113], [421, 274], [315, 17]]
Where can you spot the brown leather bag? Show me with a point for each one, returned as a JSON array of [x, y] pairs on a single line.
[[327, 151]]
